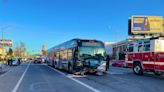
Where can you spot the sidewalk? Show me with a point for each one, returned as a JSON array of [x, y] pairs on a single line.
[[4, 68]]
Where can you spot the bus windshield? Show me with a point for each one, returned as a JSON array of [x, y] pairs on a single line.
[[96, 52]]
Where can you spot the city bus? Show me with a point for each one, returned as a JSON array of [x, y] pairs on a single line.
[[78, 56]]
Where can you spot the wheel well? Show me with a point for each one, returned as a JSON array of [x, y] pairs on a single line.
[[138, 62], [69, 64], [134, 62]]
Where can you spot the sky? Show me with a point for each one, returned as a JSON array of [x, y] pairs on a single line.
[[51, 22]]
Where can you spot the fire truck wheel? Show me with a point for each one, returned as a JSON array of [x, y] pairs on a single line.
[[137, 69]]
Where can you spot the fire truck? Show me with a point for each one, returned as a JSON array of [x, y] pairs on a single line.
[[146, 55]]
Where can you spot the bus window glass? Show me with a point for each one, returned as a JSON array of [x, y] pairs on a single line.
[[86, 52], [70, 54], [57, 55], [61, 55], [65, 55]]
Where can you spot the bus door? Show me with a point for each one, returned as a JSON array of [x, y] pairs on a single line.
[[57, 61], [64, 59]]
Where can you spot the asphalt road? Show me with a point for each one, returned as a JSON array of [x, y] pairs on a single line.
[[31, 77]]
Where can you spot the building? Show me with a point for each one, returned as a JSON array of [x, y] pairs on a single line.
[[109, 47], [3, 53]]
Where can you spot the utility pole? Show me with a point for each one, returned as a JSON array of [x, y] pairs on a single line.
[[116, 33], [2, 41]]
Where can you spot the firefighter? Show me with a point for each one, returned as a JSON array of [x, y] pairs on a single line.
[[107, 62]]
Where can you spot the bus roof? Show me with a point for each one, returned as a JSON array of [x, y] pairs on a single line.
[[73, 40]]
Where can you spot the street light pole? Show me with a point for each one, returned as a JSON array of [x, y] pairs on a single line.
[[116, 32], [2, 43]]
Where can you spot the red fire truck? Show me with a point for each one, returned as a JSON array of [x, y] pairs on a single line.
[[146, 55]]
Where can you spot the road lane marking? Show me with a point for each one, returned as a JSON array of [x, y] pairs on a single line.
[[75, 80], [57, 71], [20, 80]]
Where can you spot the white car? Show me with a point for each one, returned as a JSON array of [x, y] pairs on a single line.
[[102, 68], [15, 61]]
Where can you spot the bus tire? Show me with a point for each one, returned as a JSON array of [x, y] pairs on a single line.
[[137, 68], [53, 64], [48, 63], [70, 68]]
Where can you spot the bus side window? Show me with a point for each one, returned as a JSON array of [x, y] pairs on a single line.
[[65, 55], [61, 54], [70, 54], [58, 55], [54, 57]]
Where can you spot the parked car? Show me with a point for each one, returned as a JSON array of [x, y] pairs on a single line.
[[30, 59], [24, 59], [16, 61], [118, 63], [38, 60]]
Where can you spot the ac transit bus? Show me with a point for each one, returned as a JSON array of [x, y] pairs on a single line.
[[78, 56]]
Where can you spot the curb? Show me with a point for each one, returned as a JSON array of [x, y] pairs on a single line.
[[4, 68]]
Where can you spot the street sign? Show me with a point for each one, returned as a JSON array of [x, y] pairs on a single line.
[[6, 42]]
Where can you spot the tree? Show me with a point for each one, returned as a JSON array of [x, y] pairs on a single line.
[[20, 50], [10, 52], [43, 50]]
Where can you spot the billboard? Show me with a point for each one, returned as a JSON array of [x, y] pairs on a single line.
[[6, 42], [146, 25]]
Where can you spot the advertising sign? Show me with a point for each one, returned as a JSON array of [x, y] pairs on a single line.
[[146, 25], [6, 42]]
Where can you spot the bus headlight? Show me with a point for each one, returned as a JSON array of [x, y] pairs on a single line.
[[78, 63]]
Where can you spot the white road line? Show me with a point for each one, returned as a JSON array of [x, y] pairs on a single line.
[[77, 81], [91, 88], [58, 71], [20, 80]]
